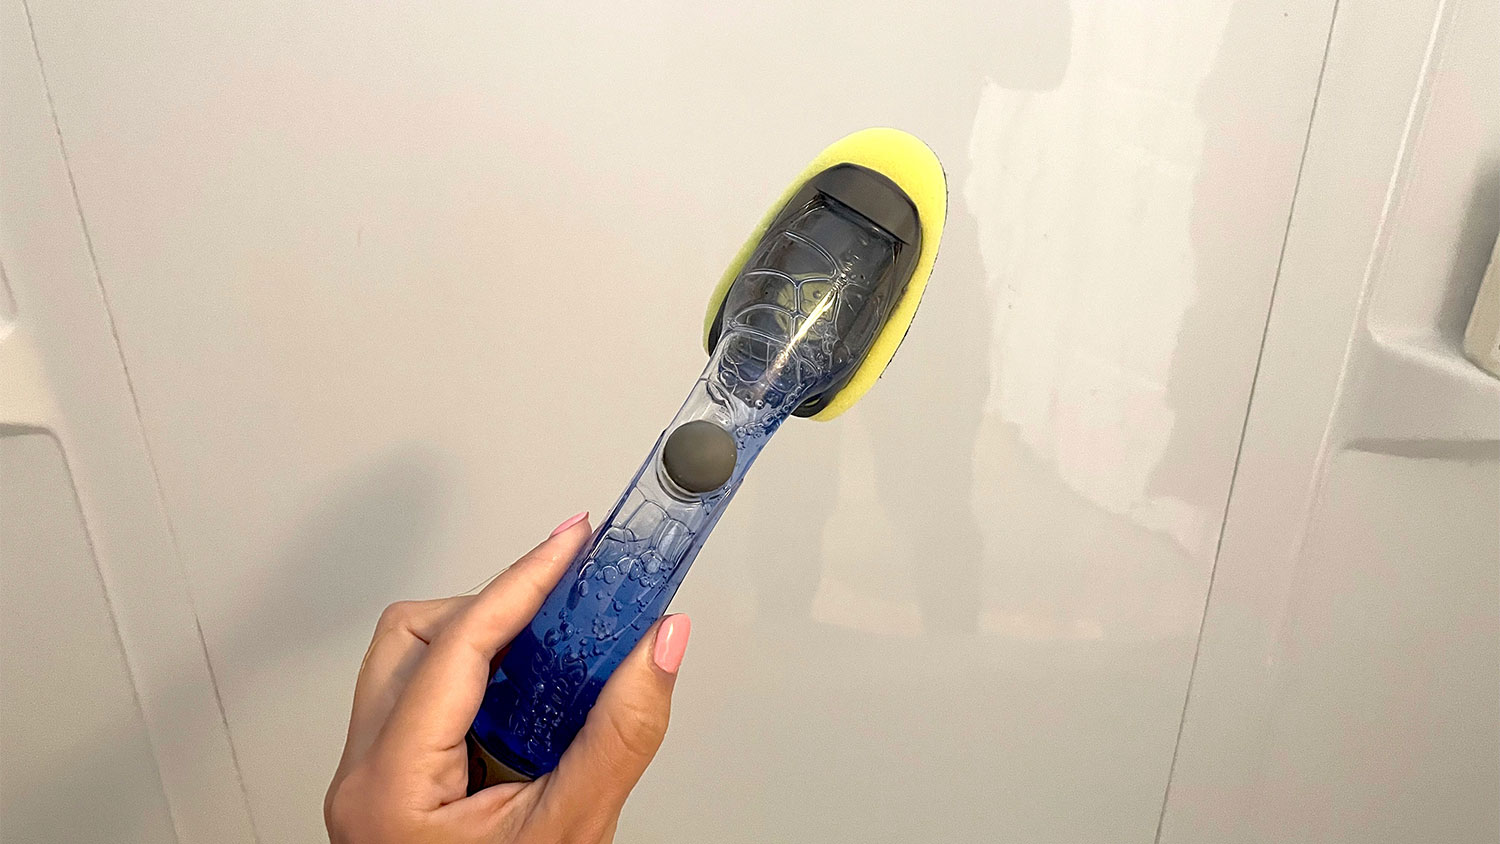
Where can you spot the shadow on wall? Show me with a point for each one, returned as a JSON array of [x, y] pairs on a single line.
[[1220, 252], [1475, 245], [356, 552]]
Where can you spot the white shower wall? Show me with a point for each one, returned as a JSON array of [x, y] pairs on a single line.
[[321, 306]]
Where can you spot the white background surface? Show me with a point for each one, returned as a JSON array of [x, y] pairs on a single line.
[[331, 304]]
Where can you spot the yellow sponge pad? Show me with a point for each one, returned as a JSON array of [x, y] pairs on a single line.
[[914, 168]]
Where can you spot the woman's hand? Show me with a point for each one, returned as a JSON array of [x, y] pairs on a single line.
[[404, 773]]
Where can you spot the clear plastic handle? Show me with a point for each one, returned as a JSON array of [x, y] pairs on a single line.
[[795, 321]]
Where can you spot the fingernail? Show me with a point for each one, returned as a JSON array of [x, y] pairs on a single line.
[[572, 520], [671, 642]]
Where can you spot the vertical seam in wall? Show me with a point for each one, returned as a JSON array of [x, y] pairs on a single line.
[[141, 430], [1245, 424]]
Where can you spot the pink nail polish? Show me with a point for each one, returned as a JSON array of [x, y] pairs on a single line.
[[570, 522], [671, 642]]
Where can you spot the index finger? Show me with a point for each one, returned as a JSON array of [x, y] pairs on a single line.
[[401, 637], [438, 705]]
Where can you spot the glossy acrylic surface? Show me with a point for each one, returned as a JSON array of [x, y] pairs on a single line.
[[376, 272]]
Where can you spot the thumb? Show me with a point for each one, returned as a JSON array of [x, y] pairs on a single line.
[[622, 732]]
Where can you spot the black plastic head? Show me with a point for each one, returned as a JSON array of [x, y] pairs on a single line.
[[819, 286]]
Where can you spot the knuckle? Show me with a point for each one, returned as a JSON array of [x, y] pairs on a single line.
[[526, 579], [395, 616], [639, 729]]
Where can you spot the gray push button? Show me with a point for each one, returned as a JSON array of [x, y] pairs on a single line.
[[699, 456]]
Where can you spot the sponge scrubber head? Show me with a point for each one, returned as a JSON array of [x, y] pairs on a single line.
[[913, 167]]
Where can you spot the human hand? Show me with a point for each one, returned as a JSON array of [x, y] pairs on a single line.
[[404, 773]]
